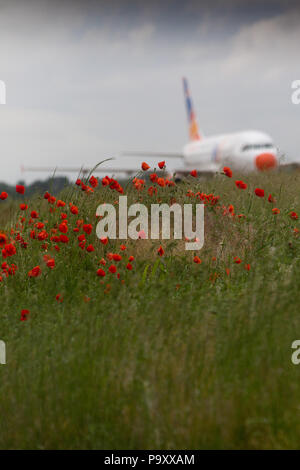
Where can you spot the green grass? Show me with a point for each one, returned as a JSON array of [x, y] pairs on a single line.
[[178, 356]]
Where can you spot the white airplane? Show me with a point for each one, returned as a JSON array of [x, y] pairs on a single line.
[[244, 151]]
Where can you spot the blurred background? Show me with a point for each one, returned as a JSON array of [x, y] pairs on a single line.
[[86, 80]]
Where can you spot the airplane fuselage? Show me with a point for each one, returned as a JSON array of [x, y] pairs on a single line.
[[243, 151]]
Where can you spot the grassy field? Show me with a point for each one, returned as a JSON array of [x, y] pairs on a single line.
[[171, 354]]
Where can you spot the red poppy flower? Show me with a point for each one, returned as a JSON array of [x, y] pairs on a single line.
[[117, 257], [153, 177], [227, 171], [197, 260], [63, 227], [93, 181], [161, 165], [63, 238], [123, 247], [193, 173], [3, 239], [87, 228], [131, 258], [43, 235], [34, 215], [78, 182], [237, 260], [240, 184], [35, 272], [160, 251], [259, 192], [145, 166], [24, 314], [82, 245], [3, 195], [161, 182], [138, 183], [129, 267], [9, 250], [74, 210], [23, 207], [152, 190], [20, 189], [59, 298], [50, 263], [90, 248], [105, 181], [270, 198], [276, 210], [101, 272], [104, 240], [60, 203], [294, 215], [112, 269]]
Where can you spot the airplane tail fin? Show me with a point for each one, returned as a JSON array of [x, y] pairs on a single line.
[[193, 126]]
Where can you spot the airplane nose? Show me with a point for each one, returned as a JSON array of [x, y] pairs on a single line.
[[265, 161]]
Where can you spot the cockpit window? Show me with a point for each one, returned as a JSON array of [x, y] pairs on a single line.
[[256, 146]]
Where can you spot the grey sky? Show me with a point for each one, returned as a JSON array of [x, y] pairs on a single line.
[[86, 80]]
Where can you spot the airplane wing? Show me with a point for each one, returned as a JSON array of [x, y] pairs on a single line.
[[177, 174], [101, 169], [78, 170], [152, 154]]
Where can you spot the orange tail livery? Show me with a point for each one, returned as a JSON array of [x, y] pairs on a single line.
[[193, 126]]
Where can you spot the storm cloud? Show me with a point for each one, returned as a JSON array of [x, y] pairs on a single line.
[[87, 80]]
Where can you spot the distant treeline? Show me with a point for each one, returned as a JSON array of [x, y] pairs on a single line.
[[53, 185]]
